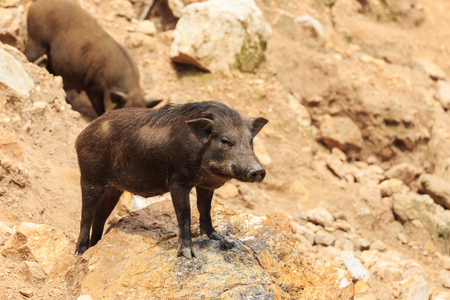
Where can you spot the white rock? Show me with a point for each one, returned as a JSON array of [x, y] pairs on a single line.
[[354, 266], [309, 21], [14, 76], [220, 35], [443, 94], [147, 27], [320, 216]]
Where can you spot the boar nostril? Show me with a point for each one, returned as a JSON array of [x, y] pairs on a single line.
[[256, 173]]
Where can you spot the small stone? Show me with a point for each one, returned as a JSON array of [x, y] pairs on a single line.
[[361, 244], [324, 238], [404, 171], [340, 132], [339, 153], [32, 271], [147, 27], [342, 225], [390, 186], [320, 216], [432, 70], [402, 238], [378, 245], [443, 94], [27, 292], [442, 295], [304, 231], [445, 277], [345, 244], [361, 287], [313, 227]]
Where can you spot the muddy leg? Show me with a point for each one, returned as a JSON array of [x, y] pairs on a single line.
[[90, 200], [109, 200], [204, 198], [180, 199]]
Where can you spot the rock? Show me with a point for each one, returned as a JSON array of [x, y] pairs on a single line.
[[361, 287], [361, 244], [443, 95], [32, 271], [121, 8], [344, 244], [431, 69], [412, 207], [263, 264], [320, 216], [370, 194], [445, 277], [302, 230], [309, 21], [176, 6], [221, 35], [402, 238], [404, 171], [27, 292], [147, 27], [6, 230], [13, 76], [437, 188], [340, 132], [354, 266], [441, 295], [390, 187], [414, 286], [43, 244], [342, 225], [12, 24], [336, 166], [378, 245], [324, 238]]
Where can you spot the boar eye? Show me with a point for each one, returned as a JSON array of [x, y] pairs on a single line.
[[225, 141]]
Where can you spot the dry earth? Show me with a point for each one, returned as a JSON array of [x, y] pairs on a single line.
[[369, 65]]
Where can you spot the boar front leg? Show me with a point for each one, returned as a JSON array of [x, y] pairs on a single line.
[[204, 198], [180, 199]]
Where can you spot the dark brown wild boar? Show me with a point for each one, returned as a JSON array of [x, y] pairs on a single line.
[[171, 149], [86, 57]]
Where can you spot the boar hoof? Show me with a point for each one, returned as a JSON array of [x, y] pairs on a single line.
[[225, 244], [215, 236], [188, 253]]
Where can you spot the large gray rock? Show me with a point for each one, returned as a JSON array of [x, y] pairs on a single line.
[[13, 76], [437, 188], [220, 35]]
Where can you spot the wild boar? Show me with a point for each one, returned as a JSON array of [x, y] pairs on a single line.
[[86, 57], [171, 149]]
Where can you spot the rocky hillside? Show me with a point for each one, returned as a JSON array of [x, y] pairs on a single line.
[[356, 153]]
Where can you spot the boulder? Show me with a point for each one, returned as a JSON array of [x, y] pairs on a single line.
[[221, 35], [437, 188], [320, 216], [13, 77], [43, 244], [411, 207], [340, 132], [137, 259], [404, 172]]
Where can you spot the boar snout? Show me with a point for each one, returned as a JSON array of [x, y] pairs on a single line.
[[256, 173]]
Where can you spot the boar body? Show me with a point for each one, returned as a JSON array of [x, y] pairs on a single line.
[[83, 54], [172, 149]]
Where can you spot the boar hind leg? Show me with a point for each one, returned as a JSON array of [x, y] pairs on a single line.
[[90, 201], [180, 199], [109, 200], [204, 198]]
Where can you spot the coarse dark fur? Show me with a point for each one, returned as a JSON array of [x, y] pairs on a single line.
[[84, 54], [171, 149]]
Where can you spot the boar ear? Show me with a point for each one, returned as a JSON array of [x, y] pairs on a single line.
[[202, 128], [256, 124], [152, 102], [118, 97]]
